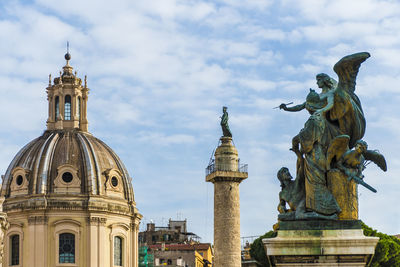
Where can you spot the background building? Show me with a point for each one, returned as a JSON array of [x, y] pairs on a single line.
[[173, 245], [175, 232], [185, 255], [68, 197]]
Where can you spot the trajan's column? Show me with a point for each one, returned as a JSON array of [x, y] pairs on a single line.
[[226, 173]]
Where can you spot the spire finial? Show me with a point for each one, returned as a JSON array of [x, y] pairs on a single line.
[[50, 79], [85, 81], [67, 55]]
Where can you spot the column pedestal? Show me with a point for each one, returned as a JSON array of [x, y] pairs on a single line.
[[320, 243]]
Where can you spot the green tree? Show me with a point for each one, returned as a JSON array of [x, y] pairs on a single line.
[[387, 252], [257, 251]]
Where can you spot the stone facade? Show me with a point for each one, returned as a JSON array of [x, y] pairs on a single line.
[[226, 176]]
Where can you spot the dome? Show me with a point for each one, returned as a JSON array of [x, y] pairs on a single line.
[[67, 162], [66, 197], [67, 166]]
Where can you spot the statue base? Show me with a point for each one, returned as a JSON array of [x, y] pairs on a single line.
[[320, 243]]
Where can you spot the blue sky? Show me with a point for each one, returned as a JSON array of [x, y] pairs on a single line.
[[160, 72]]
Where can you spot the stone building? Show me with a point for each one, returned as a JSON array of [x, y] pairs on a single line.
[[68, 197], [182, 255], [175, 232]]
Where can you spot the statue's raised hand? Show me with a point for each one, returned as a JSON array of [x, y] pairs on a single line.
[[283, 106]]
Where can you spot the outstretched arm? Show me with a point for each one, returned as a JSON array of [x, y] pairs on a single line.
[[294, 108], [330, 99]]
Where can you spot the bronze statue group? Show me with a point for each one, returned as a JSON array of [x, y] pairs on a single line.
[[329, 146]]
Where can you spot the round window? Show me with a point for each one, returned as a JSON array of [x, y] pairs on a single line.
[[114, 181], [67, 177], [19, 180]]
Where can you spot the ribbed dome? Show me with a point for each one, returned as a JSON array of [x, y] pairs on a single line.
[[67, 162]]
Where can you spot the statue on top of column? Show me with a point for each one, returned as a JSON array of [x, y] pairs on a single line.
[[226, 132]]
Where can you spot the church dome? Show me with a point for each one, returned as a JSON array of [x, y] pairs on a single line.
[[67, 161], [66, 197]]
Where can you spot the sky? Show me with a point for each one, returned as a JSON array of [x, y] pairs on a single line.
[[159, 72]]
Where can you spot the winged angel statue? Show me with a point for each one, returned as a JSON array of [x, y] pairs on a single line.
[[330, 153]]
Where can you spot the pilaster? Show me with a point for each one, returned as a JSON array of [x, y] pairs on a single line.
[[96, 241], [37, 226]]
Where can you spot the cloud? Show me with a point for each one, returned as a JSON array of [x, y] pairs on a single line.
[[329, 12], [258, 85], [375, 85], [249, 4], [161, 139]]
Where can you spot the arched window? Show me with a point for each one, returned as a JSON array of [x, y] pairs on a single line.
[[57, 107], [67, 108], [14, 241], [66, 248], [117, 251], [78, 107]]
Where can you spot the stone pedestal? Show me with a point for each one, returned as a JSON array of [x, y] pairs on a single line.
[[320, 243]]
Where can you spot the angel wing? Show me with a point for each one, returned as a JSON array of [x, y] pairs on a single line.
[[338, 146], [376, 158], [347, 70]]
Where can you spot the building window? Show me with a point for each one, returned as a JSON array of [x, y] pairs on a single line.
[[67, 108], [118, 251], [57, 107], [19, 180], [14, 240], [78, 107], [67, 177], [67, 248], [114, 181]]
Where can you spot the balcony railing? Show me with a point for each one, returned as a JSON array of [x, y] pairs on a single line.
[[225, 167]]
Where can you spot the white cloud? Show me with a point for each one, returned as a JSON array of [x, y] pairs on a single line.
[[161, 139], [248, 4], [375, 85], [321, 11], [258, 85]]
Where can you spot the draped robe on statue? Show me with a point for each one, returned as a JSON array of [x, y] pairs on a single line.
[[314, 139]]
